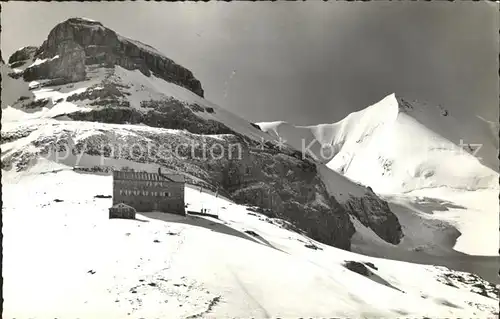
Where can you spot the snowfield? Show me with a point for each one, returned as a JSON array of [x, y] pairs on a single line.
[[56, 96], [66, 259], [40, 61]]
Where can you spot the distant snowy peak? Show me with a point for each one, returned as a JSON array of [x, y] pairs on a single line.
[[81, 42], [440, 123], [399, 145]]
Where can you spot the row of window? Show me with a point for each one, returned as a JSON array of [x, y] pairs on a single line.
[[136, 192], [159, 184], [156, 206], [150, 183]]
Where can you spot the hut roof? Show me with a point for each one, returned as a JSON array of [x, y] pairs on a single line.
[[123, 206], [144, 176]]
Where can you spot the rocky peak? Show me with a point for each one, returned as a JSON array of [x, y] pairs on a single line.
[[84, 21], [78, 42], [22, 56]]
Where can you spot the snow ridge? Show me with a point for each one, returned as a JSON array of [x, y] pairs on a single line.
[[388, 146]]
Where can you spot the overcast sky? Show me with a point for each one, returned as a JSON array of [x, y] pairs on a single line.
[[303, 62]]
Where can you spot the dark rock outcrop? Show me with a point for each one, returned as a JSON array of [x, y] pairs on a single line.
[[357, 267], [292, 192], [374, 213], [36, 104], [105, 91], [477, 284], [22, 56], [256, 126], [170, 114], [80, 42], [67, 64]]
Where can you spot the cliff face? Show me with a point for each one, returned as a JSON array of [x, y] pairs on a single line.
[[375, 214], [289, 192], [75, 43]]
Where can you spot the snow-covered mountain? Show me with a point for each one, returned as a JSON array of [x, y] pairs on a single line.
[[412, 151], [85, 73], [89, 100], [399, 146]]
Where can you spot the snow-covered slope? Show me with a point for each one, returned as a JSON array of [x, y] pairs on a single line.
[[66, 259]]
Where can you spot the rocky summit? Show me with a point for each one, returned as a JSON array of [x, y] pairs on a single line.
[[77, 42]]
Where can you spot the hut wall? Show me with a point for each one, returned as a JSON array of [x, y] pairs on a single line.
[[152, 195], [121, 213]]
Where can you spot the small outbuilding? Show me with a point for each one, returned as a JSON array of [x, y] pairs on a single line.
[[122, 210]]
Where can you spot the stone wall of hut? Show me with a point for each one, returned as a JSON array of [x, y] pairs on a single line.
[[150, 195]]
